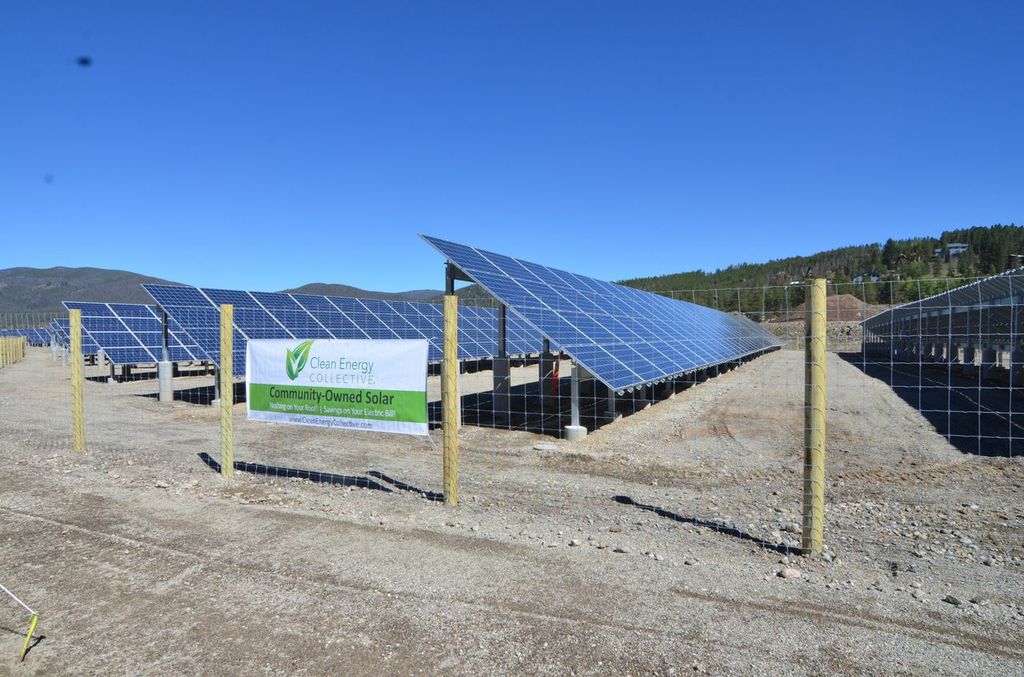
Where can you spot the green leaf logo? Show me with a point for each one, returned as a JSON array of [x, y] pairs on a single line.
[[295, 359]]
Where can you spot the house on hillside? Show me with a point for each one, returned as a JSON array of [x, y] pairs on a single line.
[[867, 277], [952, 250]]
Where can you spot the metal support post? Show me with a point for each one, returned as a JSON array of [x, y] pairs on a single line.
[[574, 431]]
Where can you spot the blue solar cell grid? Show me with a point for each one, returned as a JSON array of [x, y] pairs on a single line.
[[62, 328], [58, 332], [624, 336], [35, 336], [276, 315], [131, 333]]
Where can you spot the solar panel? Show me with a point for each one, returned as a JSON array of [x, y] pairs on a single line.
[[132, 333], [300, 316], [624, 336], [35, 336], [58, 332], [62, 328]]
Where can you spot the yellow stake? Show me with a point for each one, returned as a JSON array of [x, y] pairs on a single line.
[[77, 381], [449, 400], [812, 535], [227, 392], [28, 637]]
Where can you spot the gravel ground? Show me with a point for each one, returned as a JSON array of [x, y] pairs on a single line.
[[656, 545]]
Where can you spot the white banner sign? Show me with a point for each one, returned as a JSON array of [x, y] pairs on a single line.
[[358, 385]]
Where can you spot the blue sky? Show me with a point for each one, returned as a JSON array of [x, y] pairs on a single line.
[[264, 145]]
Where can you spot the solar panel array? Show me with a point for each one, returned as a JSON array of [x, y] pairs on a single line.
[[623, 336], [1002, 291], [265, 315], [61, 329], [132, 333], [36, 337], [59, 332]]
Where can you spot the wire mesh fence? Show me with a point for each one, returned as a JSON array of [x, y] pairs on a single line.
[[707, 468], [34, 384], [953, 353], [953, 358]]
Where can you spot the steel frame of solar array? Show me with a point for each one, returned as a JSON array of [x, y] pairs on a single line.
[[983, 309], [57, 332], [132, 333], [36, 337], [271, 315], [974, 318], [624, 337]]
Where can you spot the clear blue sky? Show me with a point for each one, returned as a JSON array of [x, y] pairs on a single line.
[[313, 141]]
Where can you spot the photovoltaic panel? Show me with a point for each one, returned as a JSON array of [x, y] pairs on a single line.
[[39, 337], [624, 336], [997, 294], [301, 316], [62, 329], [58, 333], [132, 333], [35, 336]]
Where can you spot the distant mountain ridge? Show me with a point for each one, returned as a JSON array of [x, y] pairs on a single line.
[[328, 289], [900, 265], [41, 290]]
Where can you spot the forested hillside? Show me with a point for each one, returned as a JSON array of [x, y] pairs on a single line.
[[906, 269]]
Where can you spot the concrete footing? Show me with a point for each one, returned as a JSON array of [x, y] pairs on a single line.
[[575, 433], [165, 374]]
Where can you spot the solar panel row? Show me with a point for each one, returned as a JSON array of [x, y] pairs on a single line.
[[266, 315], [61, 328], [36, 337], [58, 333], [132, 333], [623, 336]]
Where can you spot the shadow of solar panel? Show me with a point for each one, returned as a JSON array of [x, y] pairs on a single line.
[[624, 336]]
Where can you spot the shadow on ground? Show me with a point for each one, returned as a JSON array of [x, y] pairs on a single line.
[[398, 484], [147, 374], [311, 475], [979, 417], [36, 639], [780, 548], [201, 394]]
